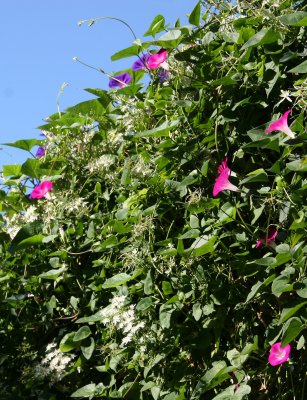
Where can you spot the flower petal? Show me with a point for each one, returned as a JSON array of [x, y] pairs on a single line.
[[281, 125], [279, 355], [41, 190], [120, 81], [155, 60], [222, 182], [141, 63], [40, 152], [269, 239]]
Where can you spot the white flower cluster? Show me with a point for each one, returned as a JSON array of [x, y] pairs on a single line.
[[115, 138], [122, 318], [88, 133], [76, 206], [58, 206], [132, 114], [13, 224], [54, 364], [30, 215], [141, 169], [102, 163]]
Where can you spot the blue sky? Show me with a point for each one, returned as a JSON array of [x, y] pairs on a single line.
[[39, 39]]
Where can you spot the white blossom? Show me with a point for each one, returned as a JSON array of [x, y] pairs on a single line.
[[30, 215], [54, 364], [122, 318]]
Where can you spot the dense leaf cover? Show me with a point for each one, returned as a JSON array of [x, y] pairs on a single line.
[[123, 274]]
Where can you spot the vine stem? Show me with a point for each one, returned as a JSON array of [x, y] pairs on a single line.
[[292, 383], [303, 388], [99, 70], [92, 21]]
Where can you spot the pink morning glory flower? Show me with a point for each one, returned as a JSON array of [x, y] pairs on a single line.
[[141, 63], [120, 81], [40, 152], [158, 60], [222, 181], [279, 355], [41, 190], [269, 239], [281, 125]]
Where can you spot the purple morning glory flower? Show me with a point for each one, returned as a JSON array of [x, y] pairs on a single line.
[[141, 63], [120, 81], [40, 152], [163, 75]]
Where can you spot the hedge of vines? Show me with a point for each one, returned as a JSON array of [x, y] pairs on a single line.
[[153, 245]]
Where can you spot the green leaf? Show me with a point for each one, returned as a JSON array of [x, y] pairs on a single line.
[[88, 348], [194, 221], [300, 69], [265, 261], [90, 108], [156, 26], [67, 342], [25, 144], [191, 234], [53, 273], [167, 288], [203, 245], [291, 330], [236, 358], [28, 231], [82, 333], [162, 130], [165, 314], [288, 312], [258, 175], [253, 291], [128, 52], [257, 213], [194, 17], [197, 311], [302, 291], [298, 165], [265, 36], [31, 168], [144, 304], [102, 94], [13, 170], [225, 81], [301, 343], [119, 279], [170, 40], [213, 377], [255, 288], [298, 18], [148, 284], [227, 213], [280, 285], [85, 391]]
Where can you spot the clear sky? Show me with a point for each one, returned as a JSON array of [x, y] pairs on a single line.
[[39, 39]]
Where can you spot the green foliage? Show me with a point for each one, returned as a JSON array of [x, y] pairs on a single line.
[[130, 280]]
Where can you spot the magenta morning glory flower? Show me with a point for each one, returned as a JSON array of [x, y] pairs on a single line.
[[40, 152], [222, 181], [141, 63], [158, 60], [281, 125], [279, 355], [269, 239], [41, 190], [120, 81]]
